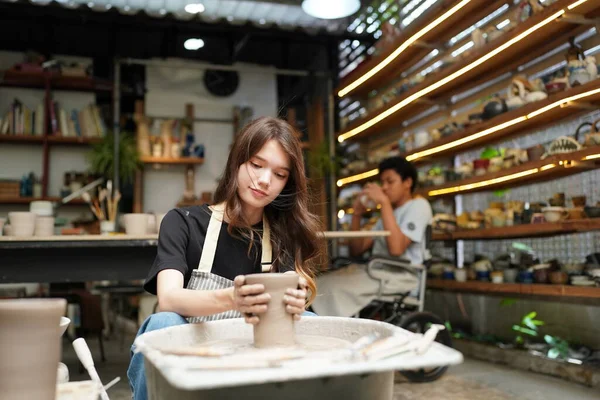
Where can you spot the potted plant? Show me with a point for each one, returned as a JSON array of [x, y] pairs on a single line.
[[101, 158]]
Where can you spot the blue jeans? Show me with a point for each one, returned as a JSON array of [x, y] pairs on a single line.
[[136, 373]]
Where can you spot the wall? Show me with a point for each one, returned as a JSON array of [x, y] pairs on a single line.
[[169, 90], [19, 159]]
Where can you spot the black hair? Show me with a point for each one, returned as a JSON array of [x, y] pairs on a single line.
[[404, 168]]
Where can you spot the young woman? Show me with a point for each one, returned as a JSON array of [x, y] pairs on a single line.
[[260, 221]]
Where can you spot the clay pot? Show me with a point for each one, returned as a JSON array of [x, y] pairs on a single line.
[[578, 201], [540, 275], [559, 277], [30, 345], [276, 326], [536, 152], [136, 224]]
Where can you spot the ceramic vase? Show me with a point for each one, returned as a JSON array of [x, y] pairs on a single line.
[[276, 326], [30, 345]]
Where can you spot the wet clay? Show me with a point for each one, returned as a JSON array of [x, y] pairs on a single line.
[[30, 347], [276, 326]]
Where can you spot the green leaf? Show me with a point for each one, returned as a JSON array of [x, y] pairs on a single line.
[[549, 339], [553, 353], [500, 193], [531, 315]]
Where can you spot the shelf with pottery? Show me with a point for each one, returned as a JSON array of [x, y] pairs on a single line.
[[524, 230], [552, 167], [515, 288], [553, 109], [172, 161], [40, 80], [440, 23], [539, 34]]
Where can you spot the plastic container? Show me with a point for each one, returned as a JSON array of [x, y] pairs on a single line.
[[173, 377]]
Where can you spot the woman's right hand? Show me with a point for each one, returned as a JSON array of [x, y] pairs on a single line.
[[249, 300]]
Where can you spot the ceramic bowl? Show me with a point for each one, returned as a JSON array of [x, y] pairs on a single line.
[[22, 223], [554, 214], [592, 212]]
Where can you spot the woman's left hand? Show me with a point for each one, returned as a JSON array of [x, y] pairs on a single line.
[[295, 299]]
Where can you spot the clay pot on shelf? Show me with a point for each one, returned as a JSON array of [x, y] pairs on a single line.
[[559, 277], [460, 274], [481, 167], [554, 214], [497, 277], [510, 275], [276, 326], [22, 223], [576, 213], [578, 201], [536, 152], [592, 212]]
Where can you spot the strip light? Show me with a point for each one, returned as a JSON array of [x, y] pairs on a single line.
[[449, 78], [489, 182], [343, 92], [354, 178], [591, 157], [576, 4]]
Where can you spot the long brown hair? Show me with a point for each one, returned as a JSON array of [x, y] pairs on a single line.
[[293, 228]]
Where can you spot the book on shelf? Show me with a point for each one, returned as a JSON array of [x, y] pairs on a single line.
[[22, 120], [86, 122]]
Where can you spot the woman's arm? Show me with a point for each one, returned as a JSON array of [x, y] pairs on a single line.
[[172, 296]]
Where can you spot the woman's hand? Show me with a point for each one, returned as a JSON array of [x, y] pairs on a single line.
[[249, 300], [295, 299]]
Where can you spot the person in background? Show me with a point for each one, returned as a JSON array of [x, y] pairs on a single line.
[[346, 291], [260, 220]]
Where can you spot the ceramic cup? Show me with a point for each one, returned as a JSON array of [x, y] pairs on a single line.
[[30, 345], [22, 223], [510, 275], [276, 326], [460, 274], [554, 214], [107, 227], [136, 224], [44, 226]]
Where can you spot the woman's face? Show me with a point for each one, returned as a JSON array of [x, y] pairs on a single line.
[[262, 178]]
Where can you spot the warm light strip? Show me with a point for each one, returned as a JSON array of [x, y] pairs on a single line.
[[576, 4], [354, 178], [591, 157], [488, 182], [343, 92], [561, 102], [496, 128], [464, 140], [449, 78], [547, 166]]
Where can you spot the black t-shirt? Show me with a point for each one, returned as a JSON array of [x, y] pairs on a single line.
[[180, 243]]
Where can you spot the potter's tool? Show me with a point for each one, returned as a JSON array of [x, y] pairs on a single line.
[[85, 356], [112, 383]]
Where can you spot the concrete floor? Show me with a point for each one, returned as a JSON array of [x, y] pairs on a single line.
[[471, 380]]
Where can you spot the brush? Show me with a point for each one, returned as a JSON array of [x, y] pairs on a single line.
[[85, 356], [115, 204], [88, 199]]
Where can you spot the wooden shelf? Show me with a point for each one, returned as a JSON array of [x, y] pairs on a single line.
[[515, 288], [57, 139], [563, 165], [35, 80], [173, 161], [523, 230], [27, 200], [462, 19], [534, 122], [423, 95], [21, 139]]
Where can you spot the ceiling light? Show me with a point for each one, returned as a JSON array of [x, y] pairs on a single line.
[[330, 9], [194, 8], [193, 44]]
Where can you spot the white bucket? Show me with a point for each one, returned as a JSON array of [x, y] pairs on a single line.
[[169, 377]]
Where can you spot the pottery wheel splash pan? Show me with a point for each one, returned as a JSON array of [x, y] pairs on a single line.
[[172, 376]]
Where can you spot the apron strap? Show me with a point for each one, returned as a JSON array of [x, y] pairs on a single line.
[[209, 249]]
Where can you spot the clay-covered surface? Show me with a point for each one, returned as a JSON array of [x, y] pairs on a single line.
[[182, 372]]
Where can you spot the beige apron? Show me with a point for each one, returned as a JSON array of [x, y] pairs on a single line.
[[203, 279]]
